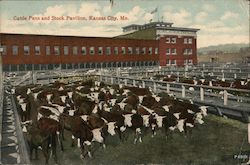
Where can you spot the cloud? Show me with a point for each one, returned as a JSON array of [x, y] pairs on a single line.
[[56, 10], [229, 15], [107, 9], [179, 18], [89, 9], [83, 28], [201, 17], [213, 32], [147, 17], [218, 27], [208, 7]]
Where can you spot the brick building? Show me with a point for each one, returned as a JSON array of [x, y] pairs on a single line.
[[156, 43]]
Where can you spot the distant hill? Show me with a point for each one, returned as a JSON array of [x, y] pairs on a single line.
[[225, 48]]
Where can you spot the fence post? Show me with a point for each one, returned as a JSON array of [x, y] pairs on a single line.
[[112, 80], [126, 82], [134, 83], [235, 75], [100, 78], [202, 93], [118, 80], [225, 97], [154, 87], [202, 73], [106, 79], [143, 84], [168, 88], [178, 76], [183, 94]]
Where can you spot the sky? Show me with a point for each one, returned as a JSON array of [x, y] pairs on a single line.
[[219, 21]]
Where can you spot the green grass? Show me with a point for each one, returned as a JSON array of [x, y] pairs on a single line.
[[213, 143]]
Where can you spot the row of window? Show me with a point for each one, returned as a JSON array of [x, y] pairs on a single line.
[[29, 67], [172, 51], [83, 50], [172, 40], [173, 62]]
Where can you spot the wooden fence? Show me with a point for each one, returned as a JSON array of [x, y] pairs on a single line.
[[222, 100]]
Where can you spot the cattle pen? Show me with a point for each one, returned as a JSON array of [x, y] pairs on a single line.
[[225, 139]]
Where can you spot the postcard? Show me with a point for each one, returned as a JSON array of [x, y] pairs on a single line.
[[124, 82]]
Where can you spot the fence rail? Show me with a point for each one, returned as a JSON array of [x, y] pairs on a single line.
[[230, 74], [1, 111], [224, 103], [22, 144]]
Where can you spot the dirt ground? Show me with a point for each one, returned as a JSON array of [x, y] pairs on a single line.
[[218, 141]]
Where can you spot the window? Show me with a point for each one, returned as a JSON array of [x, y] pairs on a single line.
[[190, 61], [83, 50], [168, 51], [173, 40], [168, 62], [37, 50], [168, 40], [150, 50], [92, 50], [185, 62], [130, 50], [75, 50], [137, 50], [4, 49], [56, 50], [185, 51], [47, 50], [116, 52], [100, 50], [185, 40], [190, 40], [143, 51], [66, 50], [26, 50], [156, 51], [108, 50], [123, 50], [14, 50], [173, 62], [174, 51], [190, 51]]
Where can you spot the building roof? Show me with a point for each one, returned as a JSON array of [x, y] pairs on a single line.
[[158, 22], [49, 35], [178, 28], [132, 25], [158, 25]]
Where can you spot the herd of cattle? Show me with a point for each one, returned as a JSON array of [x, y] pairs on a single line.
[[93, 111]]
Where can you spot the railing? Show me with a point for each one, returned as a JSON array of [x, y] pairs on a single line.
[[236, 105], [1, 111], [227, 74], [22, 144]]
